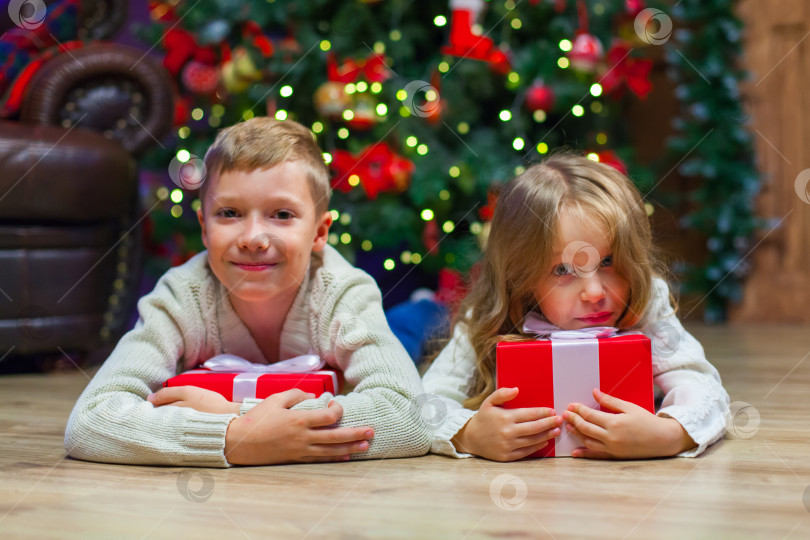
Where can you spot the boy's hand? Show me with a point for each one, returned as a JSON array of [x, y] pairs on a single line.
[[272, 433], [507, 434], [632, 433], [196, 398]]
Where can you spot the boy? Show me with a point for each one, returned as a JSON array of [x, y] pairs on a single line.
[[267, 288]]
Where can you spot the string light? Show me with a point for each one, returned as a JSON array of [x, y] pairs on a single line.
[[162, 193], [448, 227], [513, 77], [345, 238], [601, 138], [520, 169], [177, 211], [454, 171], [335, 214], [196, 204], [389, 264], [402, 95], [516, 24], [183, 132], [317, 127], [505, 116], [333, 239], [476, 228], [286, 91], [444, 67], [281, 114], [345, 219], [379, 47], [422, 149], [577, 110], [518, 143], [404, 112], [247, 115], [463, 128], [218, 109], [343, 133], [395, 35], [327, 158], [348, 114], [444, 195], [411, 141], [440, 20], [176, 196], [325, 45], [539, 116], [405, 257], [649, 208], [361, 86], [197, 114], [416, 258], [354, 180], [376, 88], [563, 62], [183, 155], [427, 214], [382, 109], [596, 89], [509, 4], [593, 157], [565, 45], [349, 88], [366, 245], [542, 148]]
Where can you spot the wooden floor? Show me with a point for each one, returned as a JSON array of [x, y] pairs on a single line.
[[756, 485]]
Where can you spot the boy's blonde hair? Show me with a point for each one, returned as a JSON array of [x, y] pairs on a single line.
[[519, 251], [261, 143]]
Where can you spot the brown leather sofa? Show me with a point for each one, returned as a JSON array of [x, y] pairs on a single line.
[[70, 217]]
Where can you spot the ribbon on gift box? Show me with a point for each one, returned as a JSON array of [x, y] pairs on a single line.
[[244, 384], [575, 368]]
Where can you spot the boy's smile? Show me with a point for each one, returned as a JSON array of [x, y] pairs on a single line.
[[260, 229]]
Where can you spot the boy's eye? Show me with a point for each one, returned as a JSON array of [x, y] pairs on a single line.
[[227, 213], [284, 215]]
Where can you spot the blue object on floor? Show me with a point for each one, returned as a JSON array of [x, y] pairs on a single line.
[[415, 322]]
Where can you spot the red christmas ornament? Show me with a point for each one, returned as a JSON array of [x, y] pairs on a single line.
[[465, 44], [378, 168], [431, 237], [623, 69], [539, 97], [585, 53], [200, 78]]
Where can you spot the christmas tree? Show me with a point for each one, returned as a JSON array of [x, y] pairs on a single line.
[[423, 110]]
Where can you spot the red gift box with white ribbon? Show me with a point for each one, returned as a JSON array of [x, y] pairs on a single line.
[[236, 379], [566, 366]]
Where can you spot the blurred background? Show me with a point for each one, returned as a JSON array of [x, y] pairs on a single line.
[[423, 111]]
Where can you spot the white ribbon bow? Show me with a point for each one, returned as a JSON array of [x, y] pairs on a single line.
[[232, 363], [533, 324]]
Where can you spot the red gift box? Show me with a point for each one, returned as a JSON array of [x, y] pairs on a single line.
[[556, 372], [238, 386]]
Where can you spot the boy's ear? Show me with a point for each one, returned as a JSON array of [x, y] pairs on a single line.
[[322, 231], [201, 219]]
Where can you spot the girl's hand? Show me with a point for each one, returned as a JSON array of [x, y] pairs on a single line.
[[195, 398], [632, 433], [507, 434], [272, 433]]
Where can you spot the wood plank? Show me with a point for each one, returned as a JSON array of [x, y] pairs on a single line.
[[757, 487]]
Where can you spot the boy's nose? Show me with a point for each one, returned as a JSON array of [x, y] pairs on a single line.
[[253, 237]]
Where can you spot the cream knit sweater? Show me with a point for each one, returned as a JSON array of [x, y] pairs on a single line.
[[188, 318], [692, 391]]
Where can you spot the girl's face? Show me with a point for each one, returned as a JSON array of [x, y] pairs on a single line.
[[580, 288]]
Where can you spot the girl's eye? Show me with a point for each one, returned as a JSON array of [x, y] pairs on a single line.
[[284, 215], [227, 213], [561, 270], [607, 261]]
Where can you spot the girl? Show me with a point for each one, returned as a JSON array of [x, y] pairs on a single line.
[[570, 244]]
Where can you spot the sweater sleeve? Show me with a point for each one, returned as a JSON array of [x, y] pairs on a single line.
[[693, 393], [112, 421], [448, 380], [352, 334]]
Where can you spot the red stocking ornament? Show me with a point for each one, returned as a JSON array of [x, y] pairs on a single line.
[[465, 44]]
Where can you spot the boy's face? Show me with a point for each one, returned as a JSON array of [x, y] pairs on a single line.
[[260, 228], [570, 296]]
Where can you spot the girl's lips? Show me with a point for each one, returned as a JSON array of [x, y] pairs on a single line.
[[598, 319]]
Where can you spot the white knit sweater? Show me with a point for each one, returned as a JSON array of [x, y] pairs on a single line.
[[188, 318], [692, 391]]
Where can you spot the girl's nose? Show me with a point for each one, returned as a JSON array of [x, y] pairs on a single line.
[[593, 289]]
